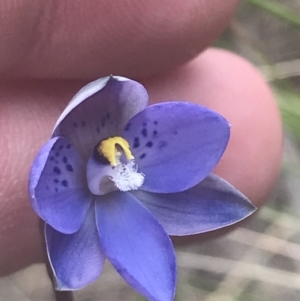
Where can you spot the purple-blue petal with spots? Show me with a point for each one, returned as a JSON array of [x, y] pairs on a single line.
[[76, 259], [57, 186], [100, 110], [210, 205], [136, 245], [176, 144]]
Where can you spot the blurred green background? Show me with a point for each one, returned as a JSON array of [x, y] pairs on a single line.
[[261, 260]]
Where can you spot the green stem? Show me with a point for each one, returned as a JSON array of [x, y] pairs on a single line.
[[59, 295]]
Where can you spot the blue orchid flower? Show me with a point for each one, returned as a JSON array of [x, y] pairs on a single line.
[[118, 177]]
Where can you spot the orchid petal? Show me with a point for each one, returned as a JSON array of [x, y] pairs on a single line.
[[210, 205], [176, 144], [57, 186], [136, 245], [76, 259], [100, 110]]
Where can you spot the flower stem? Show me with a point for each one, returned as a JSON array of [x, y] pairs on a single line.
[[59, 295], [63, 296]]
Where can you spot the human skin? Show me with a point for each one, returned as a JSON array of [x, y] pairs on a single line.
[[49, 52]]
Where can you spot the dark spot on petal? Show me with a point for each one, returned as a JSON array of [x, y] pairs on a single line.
[[57, 170], [65, 159], [142, 156], [98, 130], [83, 123], [136, 142], [56, 189], [154, 133], [56, 162], [155, 122], [108, 116], [149, 144], [127, 127], [64, 183], [162, 144], [51, 158], [57, 154], [69, 167], [144, 132], [75, 125], [175, 131], [47, 187], [68, 146], [61, 147], [144, 124], [56, 181]]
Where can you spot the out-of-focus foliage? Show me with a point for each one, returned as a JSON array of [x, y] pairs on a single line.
[[267, 32], [288, 98], [278, 9]]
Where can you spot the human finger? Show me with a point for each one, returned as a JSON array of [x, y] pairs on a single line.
[[89, 39], [230, 85]]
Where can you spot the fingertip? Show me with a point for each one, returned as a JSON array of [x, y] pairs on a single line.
[[256, 145], [227, 83]]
